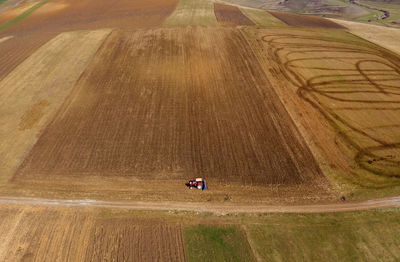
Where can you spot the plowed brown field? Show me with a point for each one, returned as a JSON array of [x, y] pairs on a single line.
[[305, 21], [230, 15], [174, 103], [71, 234]]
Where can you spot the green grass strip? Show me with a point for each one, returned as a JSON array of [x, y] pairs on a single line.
[[209, 243], [22, 16]]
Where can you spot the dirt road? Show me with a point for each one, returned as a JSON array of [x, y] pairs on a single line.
[[389, 202]]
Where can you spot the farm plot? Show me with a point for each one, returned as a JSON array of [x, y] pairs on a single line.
[[262, 17], [172, 104], [305, 21], [71, 234], [381, 35], [216, 243], [31, 94], [354, 236], [59, 16], [62, 15], [192, 12], [353, 84], [43, 234], [130, 239], [230, 15]]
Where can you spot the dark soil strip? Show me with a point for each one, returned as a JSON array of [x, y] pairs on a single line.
[[305, 21], [230, 15]]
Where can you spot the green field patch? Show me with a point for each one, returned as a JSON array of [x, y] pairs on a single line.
[[22, 16], [216, 243], [192, 12], [356, 236], [262, 18]]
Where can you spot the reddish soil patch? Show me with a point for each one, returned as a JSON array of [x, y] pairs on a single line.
[[230, 15], [305, 21], [174, 103]]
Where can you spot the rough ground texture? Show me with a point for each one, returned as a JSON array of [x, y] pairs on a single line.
[[152, 117]]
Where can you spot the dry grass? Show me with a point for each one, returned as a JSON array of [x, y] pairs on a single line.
[[31, 94]]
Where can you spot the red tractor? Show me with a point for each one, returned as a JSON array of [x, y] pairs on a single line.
[[199, 183]]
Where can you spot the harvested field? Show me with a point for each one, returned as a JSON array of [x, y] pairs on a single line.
[[306, 21], [148, 116], [192, 12], [37, 234], [230, 15], [351, 236], [32, 93], [128, 239], [66, 234], [353, 85], [381, 35]]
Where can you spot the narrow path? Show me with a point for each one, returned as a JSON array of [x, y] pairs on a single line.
[[389, 202]]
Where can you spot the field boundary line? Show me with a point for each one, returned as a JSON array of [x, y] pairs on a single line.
[[251, 244], [378, 203]]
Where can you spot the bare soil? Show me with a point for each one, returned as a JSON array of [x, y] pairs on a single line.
[[230, 15], [148, 116], [305, 21]]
